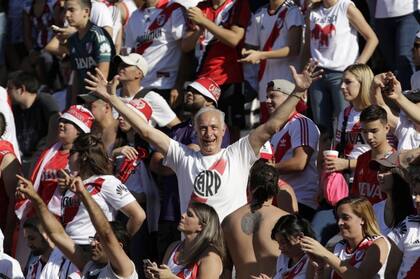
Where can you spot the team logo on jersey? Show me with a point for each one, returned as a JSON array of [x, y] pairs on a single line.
[[279, 22], [105, 48], [121, 189], [207, 183], [161, 19], [88, 47]]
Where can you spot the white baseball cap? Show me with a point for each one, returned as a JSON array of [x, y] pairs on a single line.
[[134, 59]]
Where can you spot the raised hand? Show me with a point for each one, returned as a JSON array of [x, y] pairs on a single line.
[[304, 80], [128, 151], [73, 183], [100, 86], [196, 15], [25, 189]]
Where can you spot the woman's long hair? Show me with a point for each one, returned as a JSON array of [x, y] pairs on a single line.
[[402, 200], [210, 237], [93, 159], [364, 76], [291, 226], [364, 210]]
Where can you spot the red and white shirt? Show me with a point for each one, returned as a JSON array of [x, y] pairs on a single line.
[[355, 144], [155, 33], [185, 272], [299, 131], [333, 39], [297, 271], [365, 181], [110, 194], [219, 180], [407, 237], [269, 32], [41, 31], [355, 258], [217, 60]]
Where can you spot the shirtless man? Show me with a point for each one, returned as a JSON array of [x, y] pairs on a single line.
[[249, 227]]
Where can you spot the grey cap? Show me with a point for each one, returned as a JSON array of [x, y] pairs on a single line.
[[281, 85]]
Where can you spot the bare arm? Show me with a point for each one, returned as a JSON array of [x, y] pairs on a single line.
[[136, 216], [190, 40], [104, 68], [210, 266], [106, 91], [292, 48], [374, 259], [53, 228], [156, 166], [265, 131], [120, 262], [230, 37], [358, 21], [298, 162]]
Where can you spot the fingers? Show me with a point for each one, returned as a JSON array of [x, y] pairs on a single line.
[[23, 179], [100, 74], [293, 70]]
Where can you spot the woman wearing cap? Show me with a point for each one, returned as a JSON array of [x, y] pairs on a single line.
[[398, 203], [355, 88], [75, 121], [199, 254], [363, 252]]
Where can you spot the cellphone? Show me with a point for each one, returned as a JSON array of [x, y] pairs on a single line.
[[147, 262]]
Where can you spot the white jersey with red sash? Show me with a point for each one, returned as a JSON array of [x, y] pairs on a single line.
[[36, 177], [297, 271], [407, 238], [299, 131], [355, 258], [184, 272], [110, 194], [155, 33], [268, 31]]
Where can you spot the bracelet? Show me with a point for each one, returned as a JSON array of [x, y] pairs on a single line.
[[294, 95]]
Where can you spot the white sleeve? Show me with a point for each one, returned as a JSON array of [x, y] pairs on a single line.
[[116, 193], [178, 28], [162, 113], [251, 37], [243, 150], [100, 15], [176, 152], [294, 17]]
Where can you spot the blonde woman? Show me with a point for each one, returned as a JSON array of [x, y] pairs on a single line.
[[355, 88], [363, 252]]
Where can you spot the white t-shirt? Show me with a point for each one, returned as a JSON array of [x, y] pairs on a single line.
[[58, 266], [355, 143], [219, 180], [379, 209], [407, 238], [333, 39], [160, 47], [297, 271], [393, 8], [100, 14], [408, 137], [260, 29], [162, 113], [415, 80], [9, 267], [91, 271], [10, 132], [110, 194], [130, 7], [357, 256], [299, 131]]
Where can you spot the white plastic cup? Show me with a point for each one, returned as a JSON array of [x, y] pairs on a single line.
[[330, 153]]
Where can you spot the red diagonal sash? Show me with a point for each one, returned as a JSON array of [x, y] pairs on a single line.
[[159, 21], [278, 25]]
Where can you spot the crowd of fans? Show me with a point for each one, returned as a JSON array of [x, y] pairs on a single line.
[[127, 150]]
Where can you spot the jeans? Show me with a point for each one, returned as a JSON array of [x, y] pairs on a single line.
[[396, 40], [326, 100]]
